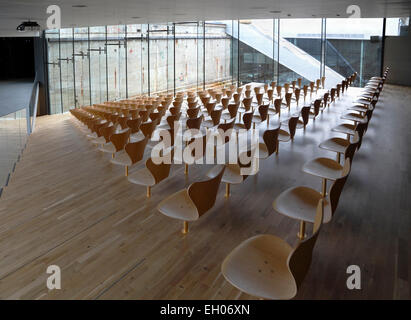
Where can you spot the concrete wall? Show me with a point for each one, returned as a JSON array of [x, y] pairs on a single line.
[[102, 73], [397, 56]]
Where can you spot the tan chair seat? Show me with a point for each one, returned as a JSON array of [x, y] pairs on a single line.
[[259, 267], [108, 147], [92, 136], [300, 203], [122, 159], [135, 137], [363, 101], [324, 167], [231, 174], [99, 140], [142, 177], [355, 118], [335, 144], [262, 151], [179, 206], [283, 136], [346, 128]]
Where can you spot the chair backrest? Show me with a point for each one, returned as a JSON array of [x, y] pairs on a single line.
[[299, 82], [123, 122], [259, 97], [210, 107], [270, 138], [204, 193], [171, 119], [288, 96], [305, 114], [135, 150], [98, 126], [216, 116], [336, 189], [134, 125], [248, 119], [292, 125], [286, 87], [299, 260], [273, 84], [159, 171], [107, 132], [144, 115], [192, 105], [361, 127], [263, 111], [279, 88], [224, 102], [148, 128], [155, 115], [317, 105], [270, 93], [305, 90], [277, 104], [194, 123], [247, 93], [247, 103], [297, 93], [256, 90], [119, 140], [193, 112], [232, 109]]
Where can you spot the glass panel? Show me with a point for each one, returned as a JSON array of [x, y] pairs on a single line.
[[161, 58], [13, 136], [256, 51], [218, 52], [134, 59], [354, 45], [53, 62], [186, 54], [98, 59], [66, 62], [299, 50], [116, 64], [82, 67]]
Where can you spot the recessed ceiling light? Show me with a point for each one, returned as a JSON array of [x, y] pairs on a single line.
[[275, 11], [79, 6], [257, 8], [289, 15], [313, 15], [135, 17], [179, 14], [337, 14]]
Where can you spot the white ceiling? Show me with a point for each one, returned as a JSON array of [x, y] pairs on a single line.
[[111, 12]]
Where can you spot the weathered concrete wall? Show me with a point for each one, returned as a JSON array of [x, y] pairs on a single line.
[[101, 73]]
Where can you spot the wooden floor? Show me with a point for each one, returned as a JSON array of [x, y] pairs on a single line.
[[67, 205]]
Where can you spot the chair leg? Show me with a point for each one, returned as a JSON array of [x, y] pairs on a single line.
[[185, 227], [278, 147], [338, 158], [324, 188], [186, 169], [301, 233], [112, 156], [126, 171], [148, 192], [227, 190]]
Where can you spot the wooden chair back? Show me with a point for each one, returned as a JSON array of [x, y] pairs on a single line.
[[299, 260], [135, 150], [204, 193], [119, 140]]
